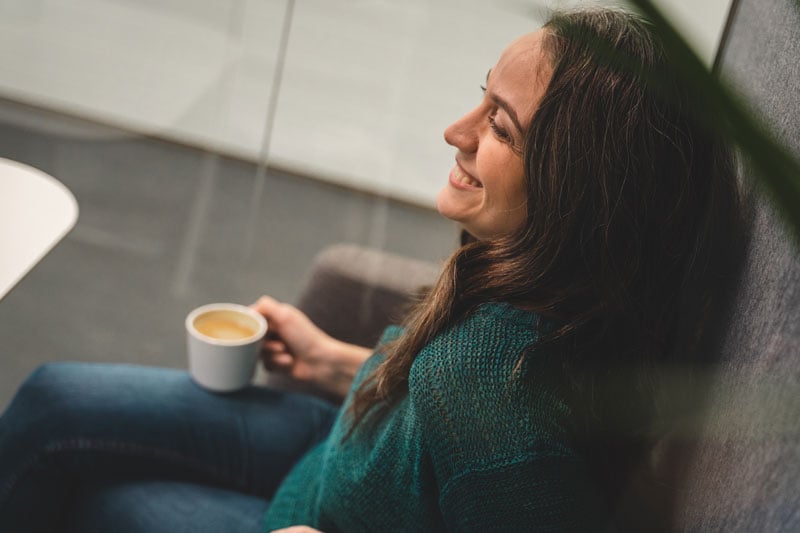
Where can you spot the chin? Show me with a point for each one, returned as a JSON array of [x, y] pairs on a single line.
[[448, 210], [443, 204], [455, 209]]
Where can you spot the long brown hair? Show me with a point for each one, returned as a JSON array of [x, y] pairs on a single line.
[[630, 201]]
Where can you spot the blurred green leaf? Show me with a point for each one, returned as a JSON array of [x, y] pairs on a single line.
[[775, 169]]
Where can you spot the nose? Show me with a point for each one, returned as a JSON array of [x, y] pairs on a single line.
[[464, 132]]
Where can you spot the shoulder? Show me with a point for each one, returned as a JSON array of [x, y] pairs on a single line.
[[498, 315], [489, 342], [493, 321], [475, 388]]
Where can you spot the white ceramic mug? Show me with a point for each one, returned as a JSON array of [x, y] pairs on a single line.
[[223, 343]]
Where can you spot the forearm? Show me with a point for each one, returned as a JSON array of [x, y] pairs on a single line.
[[345, 360]]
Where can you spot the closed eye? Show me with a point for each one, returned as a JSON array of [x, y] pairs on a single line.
[[501, 134]]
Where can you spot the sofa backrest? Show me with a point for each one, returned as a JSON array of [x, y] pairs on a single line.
[[742, 469]]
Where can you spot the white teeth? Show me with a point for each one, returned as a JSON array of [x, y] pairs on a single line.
[[466, 180]]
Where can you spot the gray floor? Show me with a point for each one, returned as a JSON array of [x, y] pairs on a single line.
[[164, 228]]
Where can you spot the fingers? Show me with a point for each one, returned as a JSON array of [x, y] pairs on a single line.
[[278, 363], [274, 346], [275, 356], [281, 362]]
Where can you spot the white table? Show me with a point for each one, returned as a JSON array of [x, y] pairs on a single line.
[[36, 211]]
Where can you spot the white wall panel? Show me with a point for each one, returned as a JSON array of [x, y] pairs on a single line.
[[368, 86]]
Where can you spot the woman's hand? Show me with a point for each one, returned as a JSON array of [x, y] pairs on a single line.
[[297, 348]]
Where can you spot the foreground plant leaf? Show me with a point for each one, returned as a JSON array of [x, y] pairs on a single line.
[[776, 170]]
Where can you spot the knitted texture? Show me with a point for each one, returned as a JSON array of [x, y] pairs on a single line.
[[477, 445]]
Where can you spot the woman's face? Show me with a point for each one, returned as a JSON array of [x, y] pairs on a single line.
[[486, 190]]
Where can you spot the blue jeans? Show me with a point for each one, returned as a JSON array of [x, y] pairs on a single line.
[[87, 447]]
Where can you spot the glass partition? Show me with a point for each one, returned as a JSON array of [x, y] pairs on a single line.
[[359, 91]]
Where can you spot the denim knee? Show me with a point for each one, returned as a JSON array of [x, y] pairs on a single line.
[[47, 389], [35, 405]]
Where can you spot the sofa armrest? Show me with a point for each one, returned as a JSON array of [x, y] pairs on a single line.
[[353, 292]]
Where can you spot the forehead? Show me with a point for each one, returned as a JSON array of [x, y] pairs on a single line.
[[522, 73], [526, 48]]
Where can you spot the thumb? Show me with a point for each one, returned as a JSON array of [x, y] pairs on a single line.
[[267, 306]]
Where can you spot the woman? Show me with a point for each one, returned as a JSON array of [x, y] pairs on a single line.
[[516, 395]]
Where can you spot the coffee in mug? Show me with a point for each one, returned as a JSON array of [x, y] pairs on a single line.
[[223, 324], [223, 342]]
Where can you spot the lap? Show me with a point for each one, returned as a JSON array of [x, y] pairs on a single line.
[[148, 421], [174, 507]]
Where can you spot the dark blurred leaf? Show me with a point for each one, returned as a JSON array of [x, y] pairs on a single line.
[[777, 171]]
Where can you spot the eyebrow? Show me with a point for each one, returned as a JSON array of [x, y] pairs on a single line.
[[504, 105]]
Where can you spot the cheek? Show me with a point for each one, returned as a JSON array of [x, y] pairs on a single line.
[[510, 199], [518, 190], [505, 181]]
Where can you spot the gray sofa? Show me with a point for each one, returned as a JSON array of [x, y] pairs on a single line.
[[735, 464]]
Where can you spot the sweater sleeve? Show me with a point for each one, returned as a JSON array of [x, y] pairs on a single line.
[[499, 442]]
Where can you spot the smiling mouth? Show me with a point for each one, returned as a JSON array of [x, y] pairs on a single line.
[[460, 177]]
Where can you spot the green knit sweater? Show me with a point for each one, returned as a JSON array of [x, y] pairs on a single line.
[[472, 447]]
